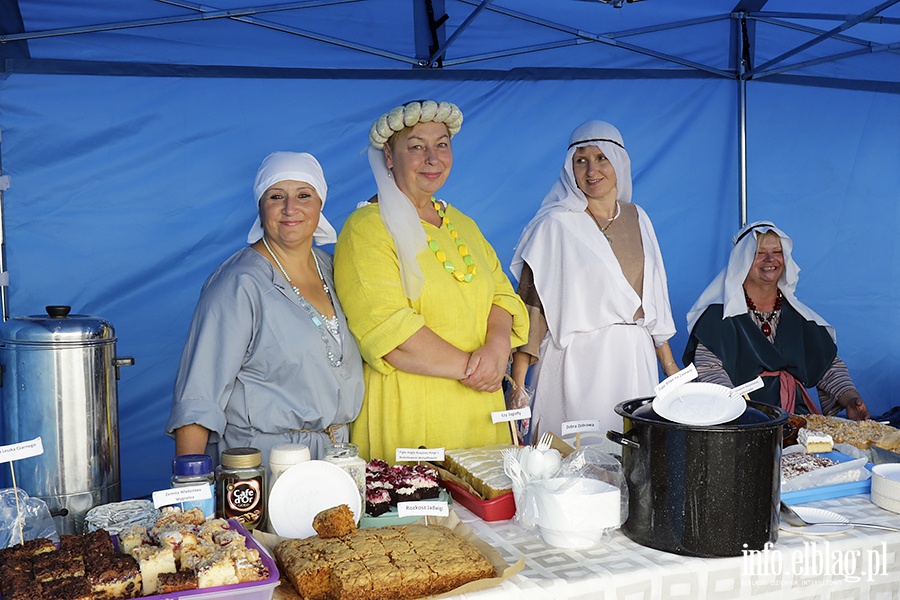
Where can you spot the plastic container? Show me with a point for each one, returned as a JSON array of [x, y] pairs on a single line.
[[241, 487], [284, 456], [254, 590], [346, 456], [196, 469], [501, 508]]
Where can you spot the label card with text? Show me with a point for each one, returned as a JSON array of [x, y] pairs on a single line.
[[22, 450], [419, 455], [178, 495], [665, 387], [518, 414], [422, 509], [748, 387], [572, 427]]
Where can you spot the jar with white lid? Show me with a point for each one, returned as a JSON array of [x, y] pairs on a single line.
[[284, 456], [346, 456]]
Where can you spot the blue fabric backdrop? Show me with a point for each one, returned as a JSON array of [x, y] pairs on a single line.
[[127, 192]]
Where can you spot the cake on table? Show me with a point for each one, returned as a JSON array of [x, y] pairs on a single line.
[[481, 468], [794, 464], [334, 522], [180, 552], [384, 563], [386, 485], [815, 441]]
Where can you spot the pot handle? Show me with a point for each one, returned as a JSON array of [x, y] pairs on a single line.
[[122, 361], [615, 436]]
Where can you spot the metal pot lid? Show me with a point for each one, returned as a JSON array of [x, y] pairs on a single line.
[[56, 326]]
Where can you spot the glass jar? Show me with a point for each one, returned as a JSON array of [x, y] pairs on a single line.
[[196, 469], [241, 487], [346, 456]]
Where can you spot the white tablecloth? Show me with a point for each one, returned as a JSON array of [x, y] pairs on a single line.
[[856, 564]]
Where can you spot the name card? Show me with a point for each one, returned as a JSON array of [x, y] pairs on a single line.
[[181, 494], [518, 414], [748, 387], [665, 387], [423, 509], [419, 455], [570, 427], [22, 450]]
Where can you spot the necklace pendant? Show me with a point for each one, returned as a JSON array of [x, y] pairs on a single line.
[[766, 329]]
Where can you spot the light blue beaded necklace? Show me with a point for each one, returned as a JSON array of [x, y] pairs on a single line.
[[329, 329]]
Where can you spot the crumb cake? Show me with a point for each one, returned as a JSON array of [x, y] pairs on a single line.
[[385, 563], [334, 522], [179, 581], [176, 554], [862, 434], [114, 576]]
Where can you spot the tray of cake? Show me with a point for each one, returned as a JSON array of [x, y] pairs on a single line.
[[427, 558], [830, 459], [475, 479], [387, 485], [183, 556]]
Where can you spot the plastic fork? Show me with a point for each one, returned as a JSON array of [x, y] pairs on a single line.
[[545, 442], [512, 467]]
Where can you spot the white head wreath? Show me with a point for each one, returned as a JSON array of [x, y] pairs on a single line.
[[398, 214]]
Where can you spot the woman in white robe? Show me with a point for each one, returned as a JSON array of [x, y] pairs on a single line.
[[591, 272]]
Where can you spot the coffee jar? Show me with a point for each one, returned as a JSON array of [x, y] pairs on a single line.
[[241, 487]]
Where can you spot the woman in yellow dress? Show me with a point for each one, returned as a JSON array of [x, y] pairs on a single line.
[[425, 296]]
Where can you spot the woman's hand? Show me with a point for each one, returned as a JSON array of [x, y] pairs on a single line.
[[856, 408], [486, 367]]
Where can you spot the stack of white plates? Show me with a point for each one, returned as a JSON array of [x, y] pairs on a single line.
[[886, 486]]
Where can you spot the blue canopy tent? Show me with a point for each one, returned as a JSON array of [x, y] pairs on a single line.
[[131, 132]]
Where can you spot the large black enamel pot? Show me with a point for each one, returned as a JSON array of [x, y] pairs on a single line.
[[701, 490]]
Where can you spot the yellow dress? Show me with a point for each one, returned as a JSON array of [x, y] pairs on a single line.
[[405, 410]]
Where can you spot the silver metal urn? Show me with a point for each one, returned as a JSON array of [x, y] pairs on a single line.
[[59, 374]]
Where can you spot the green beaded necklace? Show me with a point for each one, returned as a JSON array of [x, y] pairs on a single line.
[[461, 247]]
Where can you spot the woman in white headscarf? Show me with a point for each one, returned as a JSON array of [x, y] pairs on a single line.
[[748, 323], [432, 310], [269, 359], [591, 273]]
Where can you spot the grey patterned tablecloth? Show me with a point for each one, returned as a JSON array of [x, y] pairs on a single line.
[[861, 563]]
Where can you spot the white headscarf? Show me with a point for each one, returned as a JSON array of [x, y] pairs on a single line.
[[565, 194], [727, 288], [293, 166], [398, 214]]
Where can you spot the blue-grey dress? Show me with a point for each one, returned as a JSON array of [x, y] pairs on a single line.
[[254, 370]]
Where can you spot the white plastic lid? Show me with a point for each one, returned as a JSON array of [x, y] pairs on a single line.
[[288, 454]]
